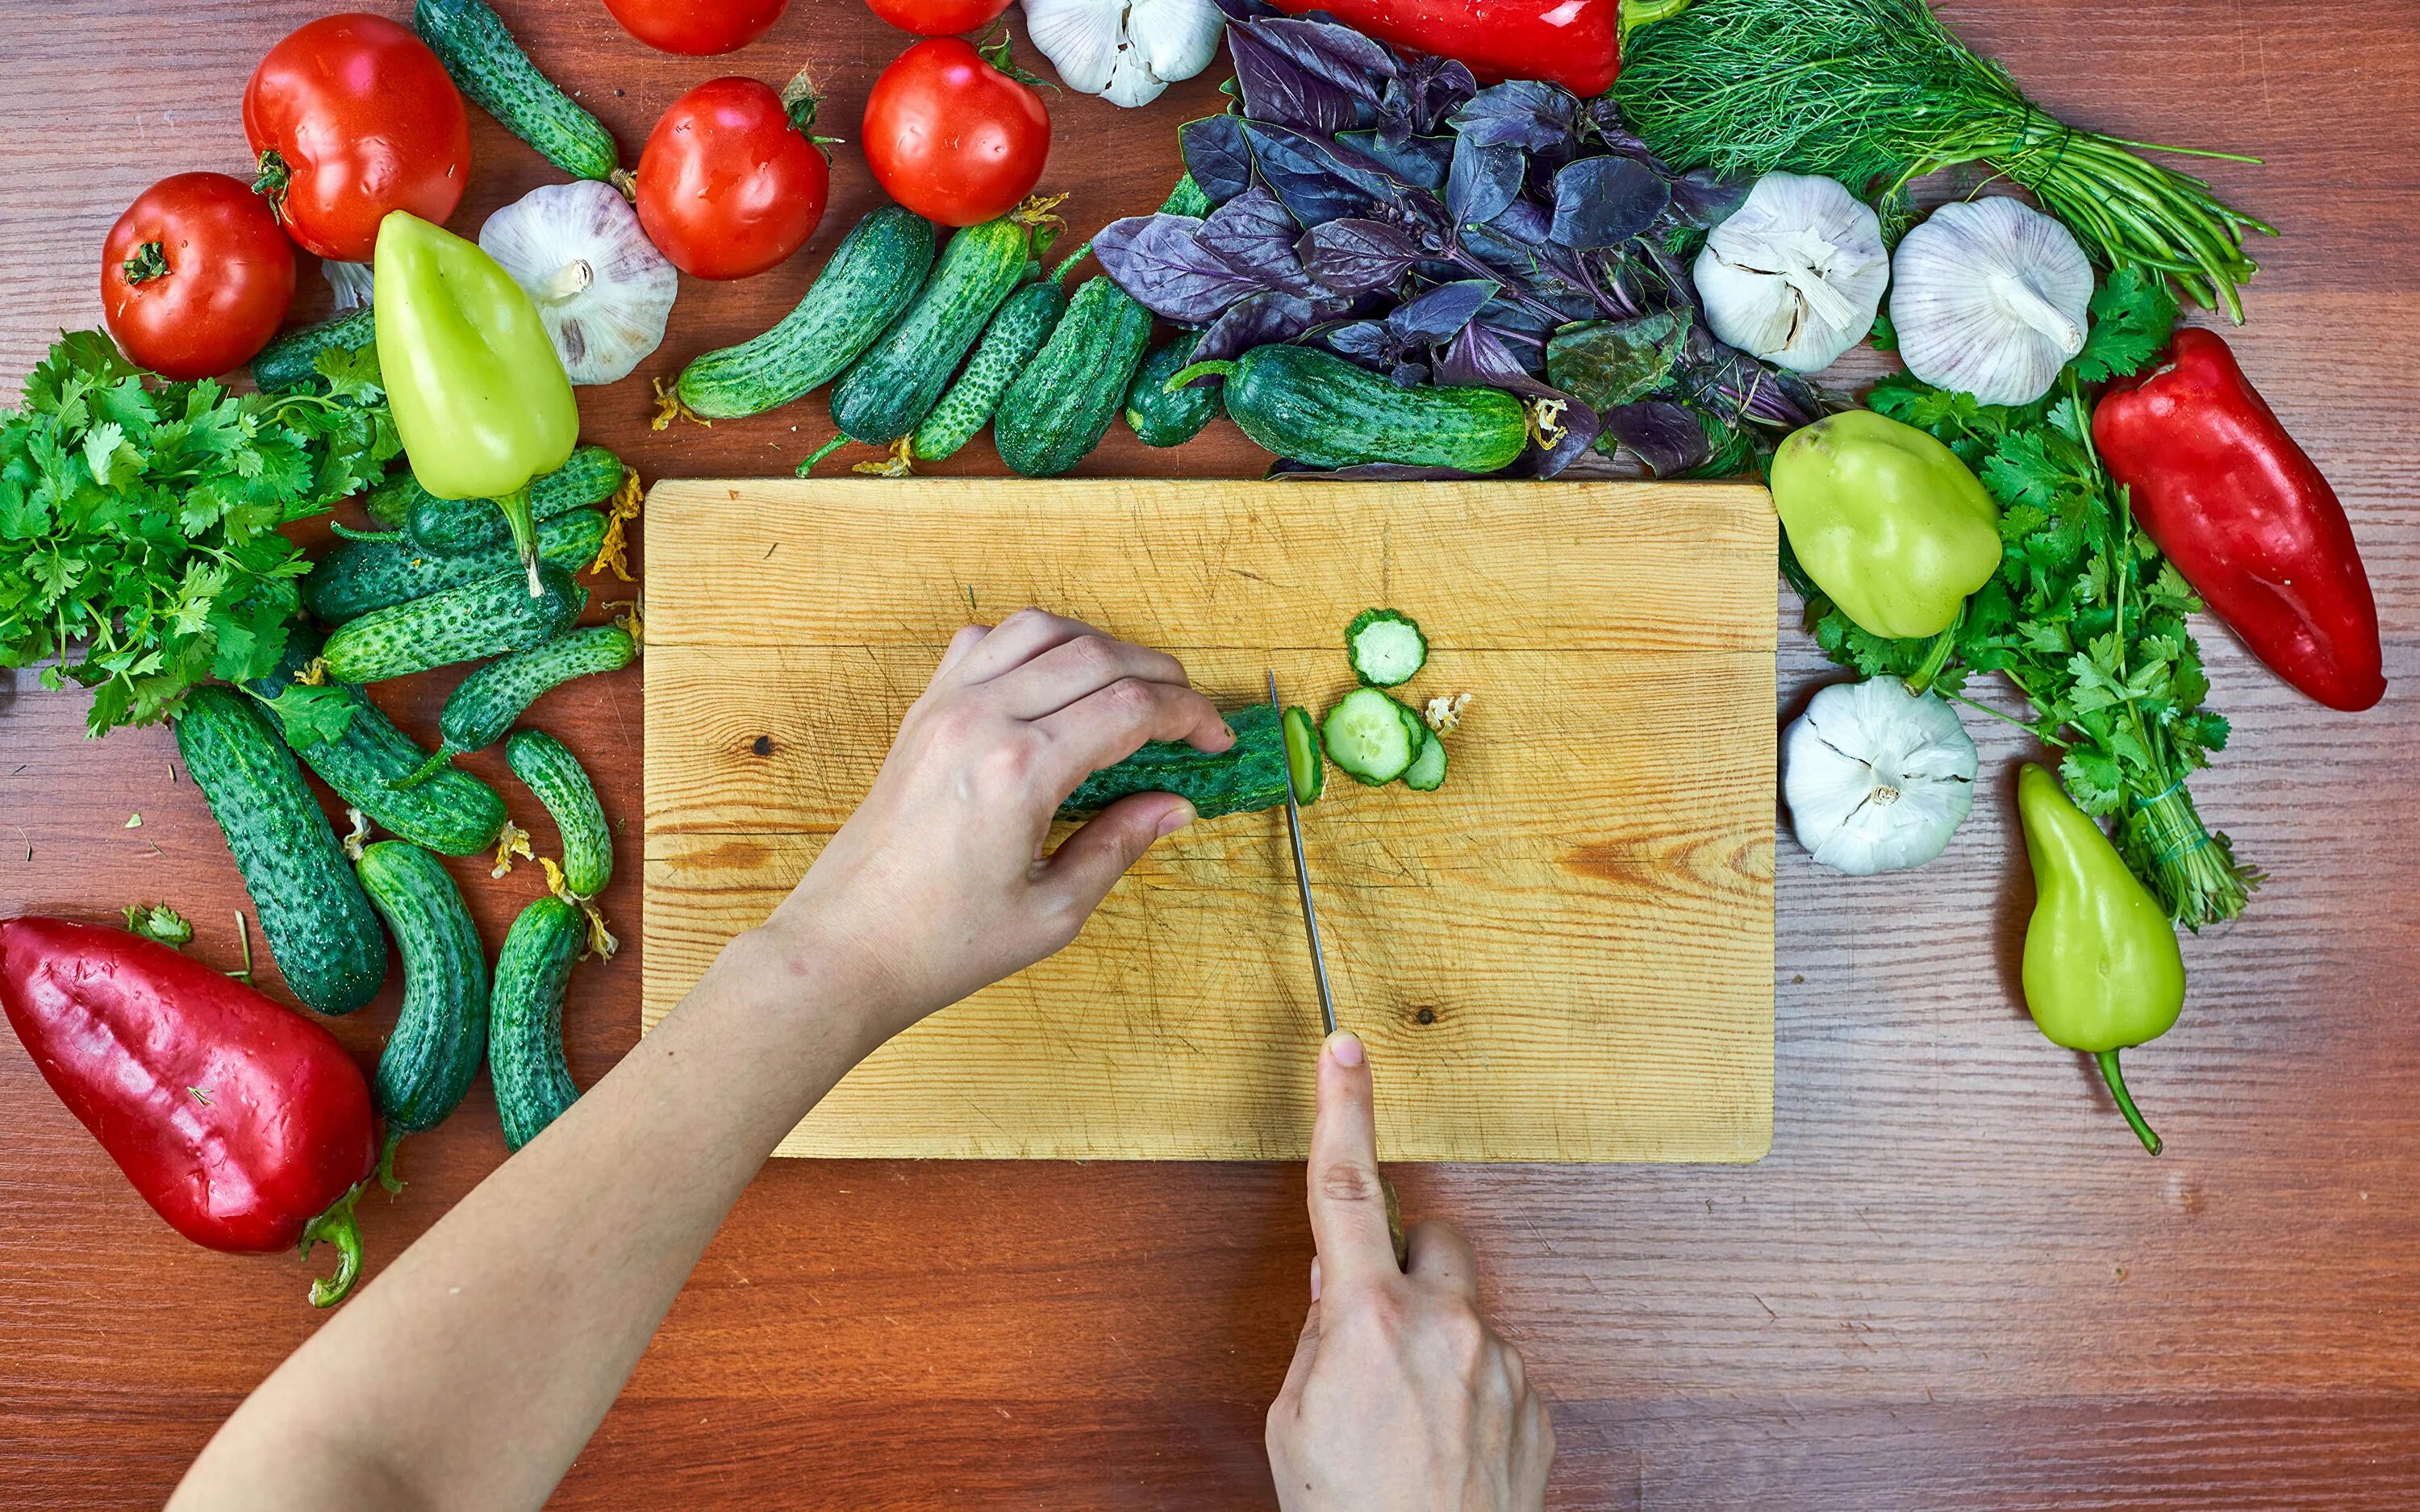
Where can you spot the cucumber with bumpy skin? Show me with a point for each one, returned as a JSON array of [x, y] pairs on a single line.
[[1058, 410], [1156, 415], [292, 361], [886, 391], [485, 705], [450, 527], [361, 577], [441, 1031], [1314, 408], [553, 774], [1371, 737], [1017, 332], [497, 76], [526, 1058], [872, 275], [311, 908], [485, 618], [1386, 648], [1249, 775]]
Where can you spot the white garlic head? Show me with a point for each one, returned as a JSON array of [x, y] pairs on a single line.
[[1877, 778], [1125, 51], [1795, 274], [1990, 298], [602, 291]]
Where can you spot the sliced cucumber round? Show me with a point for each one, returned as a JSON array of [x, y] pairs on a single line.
[[1427, 772], [1371, 737], [1386, 648], [1306, 763]]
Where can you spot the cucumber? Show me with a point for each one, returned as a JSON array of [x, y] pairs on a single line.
[[291, 361], [872, 273], [1246, 777], [311, 908], [1369, 735], [554, 776], [392, 498], [483, 618], [1161, 417], [1385, 648], [452, 527], [1320, 410], [361, 577], [454, 813], [441, 1031], [525, 1027], [1058, 410], [1427, 772], [485, 705], [898, 379], [1306, 763], [498, 77], [1016, 333]]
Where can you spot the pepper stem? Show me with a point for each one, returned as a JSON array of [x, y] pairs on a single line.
[[515, 506], [1919, 681], [337, 1227], [2117, 1080]]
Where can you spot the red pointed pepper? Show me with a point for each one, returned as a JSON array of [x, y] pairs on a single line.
[[2246, 516], [1575, 43], [240, 1121]]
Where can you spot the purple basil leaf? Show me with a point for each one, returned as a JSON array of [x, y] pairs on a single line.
[[1320, 180], [1310, 75], [1665, 437], [1408, 375], [1216, 156], [1479, 355], [1366, 342], [1520, 113], [1423, 93], [1434, 316], [1256, 320], [1261, 10], [1702, 198], [1161, 262], [1482, 181], [1603, 202], [1603, 121], [1253, 233], [1421, 161], [1357, 257]]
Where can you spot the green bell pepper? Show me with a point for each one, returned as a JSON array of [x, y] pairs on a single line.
[[479, 397], [2101, 972], [1886, 521]]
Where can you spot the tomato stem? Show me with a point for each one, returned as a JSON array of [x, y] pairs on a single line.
[[150, 261], [272, 178]]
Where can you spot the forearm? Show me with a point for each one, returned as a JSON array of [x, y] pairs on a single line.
[[501, 1337]]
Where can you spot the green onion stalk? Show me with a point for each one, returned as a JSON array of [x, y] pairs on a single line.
[[1877, 93]]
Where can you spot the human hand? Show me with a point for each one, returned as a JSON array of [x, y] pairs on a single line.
[[939, 884], [1401, 1396]]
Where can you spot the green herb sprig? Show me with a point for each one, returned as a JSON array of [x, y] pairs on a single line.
[[139, 544]]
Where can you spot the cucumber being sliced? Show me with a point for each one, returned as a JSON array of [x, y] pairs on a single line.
[[1427, 772], [1306, 763], [1386, 648], [1366, 734]]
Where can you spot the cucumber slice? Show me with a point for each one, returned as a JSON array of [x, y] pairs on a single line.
[[1306, 763], [1367, 735], [1386, 648], [1427, 772]]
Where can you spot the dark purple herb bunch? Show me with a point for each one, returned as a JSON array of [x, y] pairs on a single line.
[[1384, 207]]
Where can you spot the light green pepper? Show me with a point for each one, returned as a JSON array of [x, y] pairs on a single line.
[[1886, 521]]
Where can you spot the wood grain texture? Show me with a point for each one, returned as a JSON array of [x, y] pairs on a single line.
[[1953, 1283], [1568, 951]]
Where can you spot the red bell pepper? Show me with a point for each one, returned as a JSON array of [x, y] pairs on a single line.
[[242, 1122], [2246, 516], [1575, 43]]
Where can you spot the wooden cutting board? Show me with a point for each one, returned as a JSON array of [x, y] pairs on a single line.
[[1566, 954]]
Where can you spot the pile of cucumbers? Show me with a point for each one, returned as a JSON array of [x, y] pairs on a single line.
[[439, 586]]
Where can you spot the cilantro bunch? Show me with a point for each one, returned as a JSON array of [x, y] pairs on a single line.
[[139, 544], [2085, 617]]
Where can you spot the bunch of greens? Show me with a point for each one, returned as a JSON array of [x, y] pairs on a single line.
[[139, 543], [1384, 207], [1875, 93], [2086, 618]]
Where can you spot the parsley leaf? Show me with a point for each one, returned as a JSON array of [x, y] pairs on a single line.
[[2134, 315], [310, 715]]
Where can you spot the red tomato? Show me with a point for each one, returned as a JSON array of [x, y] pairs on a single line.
[[953, 137], [730, 183], [195, 275], [353, 116], [937, 18], [698, 28]]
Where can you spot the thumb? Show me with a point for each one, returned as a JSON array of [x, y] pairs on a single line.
[[1089, 861]]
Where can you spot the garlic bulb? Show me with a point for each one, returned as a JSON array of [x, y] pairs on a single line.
[[1877, 778], [1125, 51], [351, 283], [602, 291], [1989, 298], [1794, 276]]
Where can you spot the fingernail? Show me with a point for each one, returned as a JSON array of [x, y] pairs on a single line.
[[1315, 1278], [1175, 819], [1345, 1047]]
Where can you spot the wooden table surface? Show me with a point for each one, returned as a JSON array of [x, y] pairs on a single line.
[[1955, 1282]]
